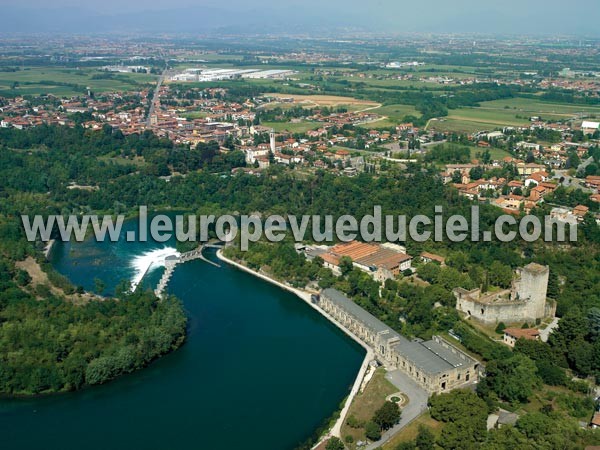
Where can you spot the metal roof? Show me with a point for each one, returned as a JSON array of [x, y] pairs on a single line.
[[430, 356], [367, 319]]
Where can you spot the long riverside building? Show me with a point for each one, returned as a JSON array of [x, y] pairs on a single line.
[[436, 365]]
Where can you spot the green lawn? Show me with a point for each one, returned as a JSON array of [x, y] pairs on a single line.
[[410, 432], [397, 112], [459, 126], [366, 403], [497, 117], [532, 107], [137, 161], [195, 115], [49, 80], [477, 119], [501, 113], [495, 153]]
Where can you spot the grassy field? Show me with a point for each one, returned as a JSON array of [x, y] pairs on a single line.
[[366, 403], [373, 83], [326, 100], [410, 432], [495, 153], [195, 115], [532, 107], [137, 161], [501, 113], [458, 126], [61, 81], [469, 120], [396, 113], [306, 105]]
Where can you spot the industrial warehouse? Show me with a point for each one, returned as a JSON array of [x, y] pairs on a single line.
[[435, 365], [198, 75]]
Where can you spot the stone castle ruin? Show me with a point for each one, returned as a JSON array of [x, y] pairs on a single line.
[[525, 302]]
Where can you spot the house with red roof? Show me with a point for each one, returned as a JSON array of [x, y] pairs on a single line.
[[512, 335]]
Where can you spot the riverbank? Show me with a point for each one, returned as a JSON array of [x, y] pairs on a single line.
[[306, 296]]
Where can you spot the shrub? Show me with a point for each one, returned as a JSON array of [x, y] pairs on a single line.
[[353, 422], [500, 328], [334, 444]]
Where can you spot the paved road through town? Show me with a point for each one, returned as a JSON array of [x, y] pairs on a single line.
[[156, 97]]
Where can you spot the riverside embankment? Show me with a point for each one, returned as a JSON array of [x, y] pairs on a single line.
[[307, 297]]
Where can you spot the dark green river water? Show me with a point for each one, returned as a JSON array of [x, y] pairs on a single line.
[[260, 368]]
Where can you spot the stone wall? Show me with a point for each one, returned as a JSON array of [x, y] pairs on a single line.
[[525, 302]]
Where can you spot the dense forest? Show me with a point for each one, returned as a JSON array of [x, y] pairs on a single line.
[[49, 341], [50, 344]]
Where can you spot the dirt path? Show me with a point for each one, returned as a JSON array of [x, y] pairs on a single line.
[[39, 277]]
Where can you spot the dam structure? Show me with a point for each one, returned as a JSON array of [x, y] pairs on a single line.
[[172, 261]]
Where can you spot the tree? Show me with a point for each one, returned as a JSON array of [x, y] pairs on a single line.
[[387, 416], [512, 379], [465, 415], [573, 161], [425, 439], [457, 405], [22, 278], [553, 285], [99, 286], [476, 173], [345, 265], [456, 177], [458, 260], [594, 320], [207, 151], [335, 444], [461, 435], [372, 431], [500, 275], [591, 170], [530, 158], [551, 374], [536, 350], [429, 272], [500, 328]]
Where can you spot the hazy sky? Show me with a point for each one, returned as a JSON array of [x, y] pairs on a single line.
[[500, 16]]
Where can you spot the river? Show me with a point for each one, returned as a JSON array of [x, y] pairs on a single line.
[[260, 368]]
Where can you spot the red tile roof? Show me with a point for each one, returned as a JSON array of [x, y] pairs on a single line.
[[525, 333]]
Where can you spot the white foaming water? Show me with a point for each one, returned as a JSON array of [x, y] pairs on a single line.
[[149, 261]]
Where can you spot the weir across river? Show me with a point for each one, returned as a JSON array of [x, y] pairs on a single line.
[[172, 261]]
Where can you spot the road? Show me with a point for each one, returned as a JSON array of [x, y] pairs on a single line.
[[585, 163], [417, 404], [570, 181], [156, 97], [545, 333]]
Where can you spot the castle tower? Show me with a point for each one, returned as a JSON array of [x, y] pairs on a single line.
[[272, 136], [533, 288]]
